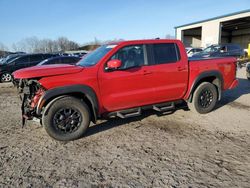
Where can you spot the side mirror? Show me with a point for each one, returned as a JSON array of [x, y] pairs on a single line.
[[114, 64]]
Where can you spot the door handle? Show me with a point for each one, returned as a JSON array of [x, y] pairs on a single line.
[[145, 72], [181, 68]]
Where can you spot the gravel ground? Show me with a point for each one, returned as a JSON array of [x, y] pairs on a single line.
[[179, 149]]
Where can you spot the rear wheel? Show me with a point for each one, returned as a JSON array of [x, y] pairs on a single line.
[[67, 119], [6, 77], [248, 75], [204, 98]]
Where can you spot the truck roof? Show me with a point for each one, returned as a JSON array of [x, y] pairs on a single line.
[[144, 41]]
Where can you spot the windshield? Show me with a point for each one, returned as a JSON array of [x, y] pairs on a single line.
[[211, 49], [95, 56], [2, 60]]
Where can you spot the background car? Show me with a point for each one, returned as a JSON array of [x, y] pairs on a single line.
[[248, 71], [10, 57], [224, 50], [191, 51], [60, 60], [19, 62]]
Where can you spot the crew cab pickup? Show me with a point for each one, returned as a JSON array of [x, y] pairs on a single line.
[[121, 79]]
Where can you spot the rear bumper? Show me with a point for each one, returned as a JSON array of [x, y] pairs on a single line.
[[234, 84]]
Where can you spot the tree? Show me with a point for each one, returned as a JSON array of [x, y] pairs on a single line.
[[168, 36], [65, 44], [3, 47], [35, 45]]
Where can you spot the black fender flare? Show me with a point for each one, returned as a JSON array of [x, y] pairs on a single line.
[[204, 75], [84, 90]]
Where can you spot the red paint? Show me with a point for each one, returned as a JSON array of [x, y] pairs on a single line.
[[137, 86], [234, 84], [46, 70]]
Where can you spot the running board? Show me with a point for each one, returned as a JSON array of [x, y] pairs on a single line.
[[164, 107], [129, 113], [133, 112]]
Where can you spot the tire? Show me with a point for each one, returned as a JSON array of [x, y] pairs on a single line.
[[204, 99], [67, 119], [248, 75], [6, 77]]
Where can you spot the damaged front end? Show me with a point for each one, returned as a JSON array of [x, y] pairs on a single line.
[[30, 92]]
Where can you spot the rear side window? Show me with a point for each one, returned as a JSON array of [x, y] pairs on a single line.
[[165, 53], [22, 60], [46, 56], [197, 50], [36, 58], [70, 60], [55, 61], [233, 48]]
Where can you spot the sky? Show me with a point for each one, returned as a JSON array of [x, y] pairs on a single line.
[[84, 20]]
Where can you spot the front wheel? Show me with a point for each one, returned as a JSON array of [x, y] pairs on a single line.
[[204, 98], [67, 119], [6, 77]]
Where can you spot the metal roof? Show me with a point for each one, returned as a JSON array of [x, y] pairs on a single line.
[[218, 17]]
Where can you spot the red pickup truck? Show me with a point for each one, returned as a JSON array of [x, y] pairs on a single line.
[[121, 79]]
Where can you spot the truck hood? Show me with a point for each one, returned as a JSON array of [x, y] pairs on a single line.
[[46, 70]]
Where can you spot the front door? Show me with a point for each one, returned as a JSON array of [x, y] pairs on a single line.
[[130, 85]]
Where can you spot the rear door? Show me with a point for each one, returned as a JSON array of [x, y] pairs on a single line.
[[20, 63], [169, 71]]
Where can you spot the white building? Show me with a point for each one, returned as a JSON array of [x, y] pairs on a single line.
[[230, 28]]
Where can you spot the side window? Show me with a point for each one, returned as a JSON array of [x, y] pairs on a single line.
[[22, 60], [130, 56], [233, 48], [46, 56], [165, 53], [68, 60], [35, 58], [198, 50], [55, 61]]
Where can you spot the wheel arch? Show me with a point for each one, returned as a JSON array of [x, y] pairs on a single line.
[[82, 92], [214, 77]]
